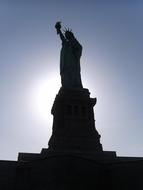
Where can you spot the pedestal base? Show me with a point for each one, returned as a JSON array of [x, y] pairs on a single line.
[[73, 123]]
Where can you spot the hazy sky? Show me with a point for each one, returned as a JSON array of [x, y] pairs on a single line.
[[111, 33]]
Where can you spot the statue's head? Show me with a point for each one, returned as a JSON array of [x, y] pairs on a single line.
[[69, 35]]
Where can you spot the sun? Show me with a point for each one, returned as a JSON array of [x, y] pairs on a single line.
[[43, 95]]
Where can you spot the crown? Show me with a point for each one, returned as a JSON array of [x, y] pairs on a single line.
[[67, 30]]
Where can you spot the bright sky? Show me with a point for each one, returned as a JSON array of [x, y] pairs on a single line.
[[111, 33]]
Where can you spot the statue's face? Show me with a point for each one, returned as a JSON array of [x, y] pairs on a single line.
[[69, 35]]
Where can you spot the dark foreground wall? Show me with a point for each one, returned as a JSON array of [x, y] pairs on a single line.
[[7, 174], [58, 171]]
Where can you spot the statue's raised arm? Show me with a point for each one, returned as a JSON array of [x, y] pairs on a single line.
[[70, 59], [58, 28]]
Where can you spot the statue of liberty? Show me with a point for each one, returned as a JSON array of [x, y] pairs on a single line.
[[69, 59]]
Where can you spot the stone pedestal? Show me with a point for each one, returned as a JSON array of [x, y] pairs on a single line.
[[73, 122]]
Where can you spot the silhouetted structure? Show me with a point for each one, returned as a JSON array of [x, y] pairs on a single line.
[[73, 124], [70, 59], [75, 158]]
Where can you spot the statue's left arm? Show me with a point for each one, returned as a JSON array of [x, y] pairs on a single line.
[[77, 46]]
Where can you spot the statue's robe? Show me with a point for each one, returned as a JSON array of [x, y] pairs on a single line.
[[70, 64]]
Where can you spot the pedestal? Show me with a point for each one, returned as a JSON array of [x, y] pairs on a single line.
[[73, 122]]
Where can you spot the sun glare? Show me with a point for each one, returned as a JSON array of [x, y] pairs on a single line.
[[44, 92]]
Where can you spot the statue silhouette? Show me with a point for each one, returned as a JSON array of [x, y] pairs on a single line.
[[69, 59]]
